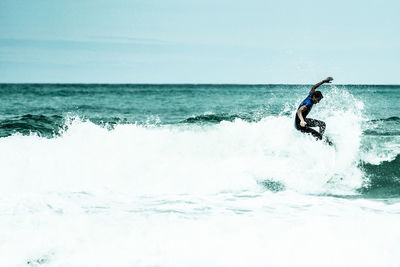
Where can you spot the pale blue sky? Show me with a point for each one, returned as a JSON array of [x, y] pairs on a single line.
[[200, 41]]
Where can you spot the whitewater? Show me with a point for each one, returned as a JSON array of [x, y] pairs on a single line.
[[211, 185]]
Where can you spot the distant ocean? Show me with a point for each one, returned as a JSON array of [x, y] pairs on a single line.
[[197, 175]]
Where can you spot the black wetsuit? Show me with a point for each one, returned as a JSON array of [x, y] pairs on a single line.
[[310, 122]]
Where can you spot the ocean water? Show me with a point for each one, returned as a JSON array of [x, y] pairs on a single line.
[[197, 175]]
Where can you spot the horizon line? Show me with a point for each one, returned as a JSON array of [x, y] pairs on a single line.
[[95, 83]]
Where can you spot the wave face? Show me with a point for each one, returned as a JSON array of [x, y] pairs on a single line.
[[383, 179], [209, 175]]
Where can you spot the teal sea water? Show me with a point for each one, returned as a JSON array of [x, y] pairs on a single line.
[[199, 175]]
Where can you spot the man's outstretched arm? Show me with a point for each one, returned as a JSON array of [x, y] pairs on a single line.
[[327, 80]]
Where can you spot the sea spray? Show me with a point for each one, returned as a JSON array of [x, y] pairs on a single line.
[[229, 156]]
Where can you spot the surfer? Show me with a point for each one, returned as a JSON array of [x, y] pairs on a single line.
[[304, 124]]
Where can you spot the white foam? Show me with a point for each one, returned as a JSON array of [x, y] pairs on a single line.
[[283, 229], [231, 156]]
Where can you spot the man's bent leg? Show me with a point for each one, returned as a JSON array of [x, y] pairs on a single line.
[[315, 123], [311, 131]]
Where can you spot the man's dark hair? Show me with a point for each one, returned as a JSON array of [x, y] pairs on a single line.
[[318, 94]]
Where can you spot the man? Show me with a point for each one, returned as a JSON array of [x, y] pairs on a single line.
[[304, 124]]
